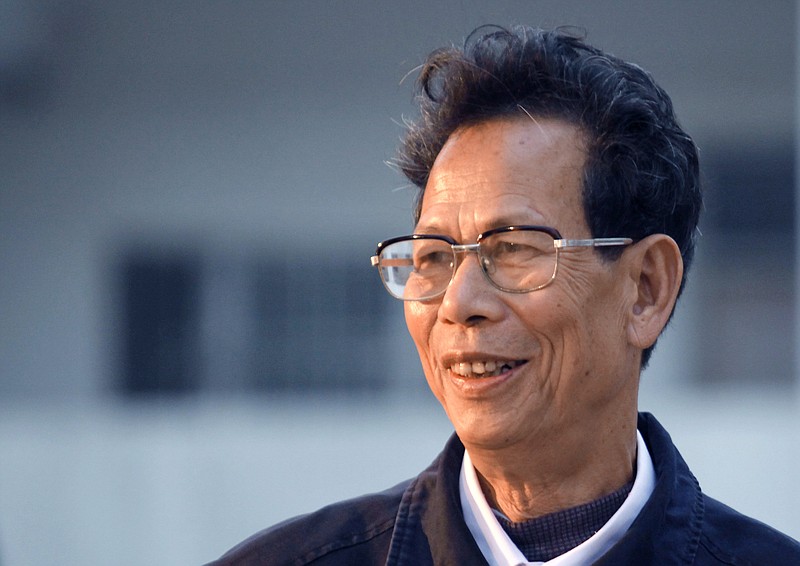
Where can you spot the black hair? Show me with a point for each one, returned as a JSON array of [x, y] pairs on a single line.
[[642, 173]]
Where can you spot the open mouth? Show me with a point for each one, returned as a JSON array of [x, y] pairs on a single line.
[[488, 368]]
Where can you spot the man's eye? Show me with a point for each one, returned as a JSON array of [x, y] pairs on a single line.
[[507, 248], [434, 259], [516, 251], [513, 248]]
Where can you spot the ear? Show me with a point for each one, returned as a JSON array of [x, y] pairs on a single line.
[[657, 268]]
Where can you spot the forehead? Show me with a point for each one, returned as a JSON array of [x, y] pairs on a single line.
[[507, 172]]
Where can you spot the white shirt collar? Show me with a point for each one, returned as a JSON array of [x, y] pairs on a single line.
[[499, 550]]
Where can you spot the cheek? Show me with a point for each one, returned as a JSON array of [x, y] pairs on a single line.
[[550, 312], [585, 292], [560, 322], [594, 321], [419, 321]]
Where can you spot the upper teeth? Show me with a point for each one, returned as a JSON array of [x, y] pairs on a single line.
[[484, 368]]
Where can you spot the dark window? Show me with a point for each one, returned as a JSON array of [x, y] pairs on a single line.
[[160, 322], [255, 322], [320, 325], [745, 276]]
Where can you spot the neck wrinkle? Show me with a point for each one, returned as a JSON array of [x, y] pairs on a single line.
[[526, 489]]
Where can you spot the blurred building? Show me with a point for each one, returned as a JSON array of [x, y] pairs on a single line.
[[190, 193]]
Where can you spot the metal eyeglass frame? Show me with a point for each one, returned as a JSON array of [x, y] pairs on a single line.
[[559, 243]]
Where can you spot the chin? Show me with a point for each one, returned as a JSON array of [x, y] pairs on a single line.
[[483, 433]]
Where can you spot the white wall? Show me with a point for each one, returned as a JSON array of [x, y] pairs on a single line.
[[222, 128], [131, 485]]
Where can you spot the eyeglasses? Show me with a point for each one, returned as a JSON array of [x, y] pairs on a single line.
[[515, 259]]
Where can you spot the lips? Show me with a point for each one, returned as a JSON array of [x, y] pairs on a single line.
[[484, 368]]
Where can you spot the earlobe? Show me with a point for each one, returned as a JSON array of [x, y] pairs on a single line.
[[657, 270]]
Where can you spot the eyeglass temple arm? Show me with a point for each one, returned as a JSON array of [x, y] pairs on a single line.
[[592, 243], [390, 262]]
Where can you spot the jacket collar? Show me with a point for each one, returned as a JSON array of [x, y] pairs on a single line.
[[430, 528], [667, 531]]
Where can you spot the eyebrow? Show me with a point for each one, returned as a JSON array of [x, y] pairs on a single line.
[[495, 223], [512, 221], [432, 229]]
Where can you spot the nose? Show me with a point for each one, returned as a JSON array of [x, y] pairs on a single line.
[[469, 298]]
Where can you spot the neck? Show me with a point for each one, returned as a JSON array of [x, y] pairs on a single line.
[[525, 482]]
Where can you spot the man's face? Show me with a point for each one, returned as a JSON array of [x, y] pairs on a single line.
[[565, 360]]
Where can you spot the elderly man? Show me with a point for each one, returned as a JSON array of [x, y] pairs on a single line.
[[557, 217]]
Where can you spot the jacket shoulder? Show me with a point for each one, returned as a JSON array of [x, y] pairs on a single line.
[[732, 538], [354, 531]]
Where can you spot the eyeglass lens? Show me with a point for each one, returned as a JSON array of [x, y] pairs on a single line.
[[418, 269]]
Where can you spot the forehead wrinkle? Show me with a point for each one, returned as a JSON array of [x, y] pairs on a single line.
[[470, 219], [486, 218], [457, 187], [499, 174]]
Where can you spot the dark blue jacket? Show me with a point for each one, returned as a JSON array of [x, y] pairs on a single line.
[[420, 522]]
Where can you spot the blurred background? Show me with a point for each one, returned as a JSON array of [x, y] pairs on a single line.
[[193, 345]]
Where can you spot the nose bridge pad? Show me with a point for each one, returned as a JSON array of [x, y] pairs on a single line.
[[462, 250], [487, 265]]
